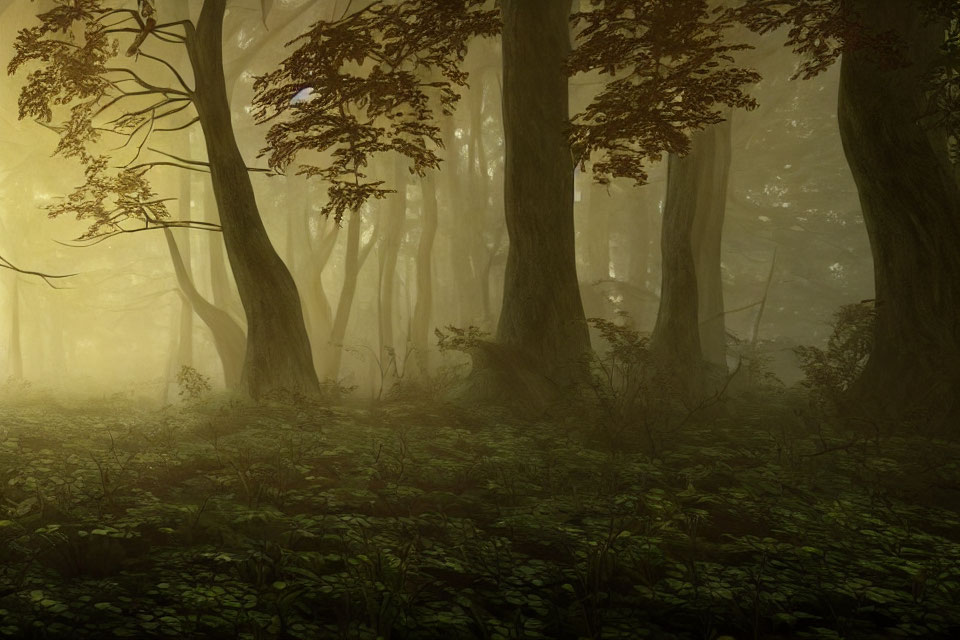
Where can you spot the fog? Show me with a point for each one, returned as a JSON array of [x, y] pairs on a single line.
[[115, 327]]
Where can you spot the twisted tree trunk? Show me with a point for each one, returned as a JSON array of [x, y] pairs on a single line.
[[278, 350]]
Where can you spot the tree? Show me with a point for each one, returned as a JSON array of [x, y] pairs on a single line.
[[74, 54], [542, 317], [897, 115], [674, 74], [369, 83]]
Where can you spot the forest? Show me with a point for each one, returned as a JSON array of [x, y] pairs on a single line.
[[480, 319]]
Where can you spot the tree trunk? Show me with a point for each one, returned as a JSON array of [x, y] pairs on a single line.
[[468, 308], [639, 234], [221, 288], [911, 208], [278, 350], [542, 317], [711, 152], [185, 344], [16, 348], [228, 336], [676, 335], [389, 251], [420, 327], [353, 262]]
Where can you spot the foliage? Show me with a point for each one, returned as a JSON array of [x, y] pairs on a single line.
[[459, 339], [673, 72], [832, 371], [819, 31], [192, 384], [78, 86], [375, 80], [424, 522]]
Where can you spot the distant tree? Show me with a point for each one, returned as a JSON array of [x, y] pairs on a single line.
[[94, 89], [673, 73]]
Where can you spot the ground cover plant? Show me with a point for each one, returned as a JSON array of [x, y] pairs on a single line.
[[222, 519]]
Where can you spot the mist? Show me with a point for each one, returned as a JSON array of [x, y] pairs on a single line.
[[463, 319]]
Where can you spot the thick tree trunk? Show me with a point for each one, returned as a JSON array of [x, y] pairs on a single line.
[[278, 350], [911, 207], [420, 326], [542, 315], [228, 337], [712, 152], [676, 335]]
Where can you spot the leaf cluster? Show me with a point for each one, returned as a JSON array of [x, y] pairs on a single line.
[[674, 71], [76, 86], [830, 372], [378, 78]]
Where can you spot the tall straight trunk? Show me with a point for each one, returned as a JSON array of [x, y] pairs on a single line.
[[278, 350], [185, 345], [476, 212], [712, 152], [639, 235], [542, 314], [676, 335], [228, 336], [597, 233], [468, 309], [420, 326], [353, 262], [16, 347], [593, 222], [389, 251], [911, 209]]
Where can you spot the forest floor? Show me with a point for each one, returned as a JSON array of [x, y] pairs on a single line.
[[422, 521]]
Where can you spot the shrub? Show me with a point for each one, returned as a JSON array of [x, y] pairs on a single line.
[[832, 371]]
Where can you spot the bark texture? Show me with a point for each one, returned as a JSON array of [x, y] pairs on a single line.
[[711, 153], [676, 335], [911, 208], [542, 315], [278, 350]]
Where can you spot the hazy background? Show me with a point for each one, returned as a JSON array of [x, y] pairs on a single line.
[[116, 326]]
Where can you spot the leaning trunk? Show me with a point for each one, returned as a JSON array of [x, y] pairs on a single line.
[[278, 350], [542, 317], [911, 209], [228, 337]]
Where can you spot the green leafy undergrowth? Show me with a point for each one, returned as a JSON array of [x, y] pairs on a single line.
[[424, 522]]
